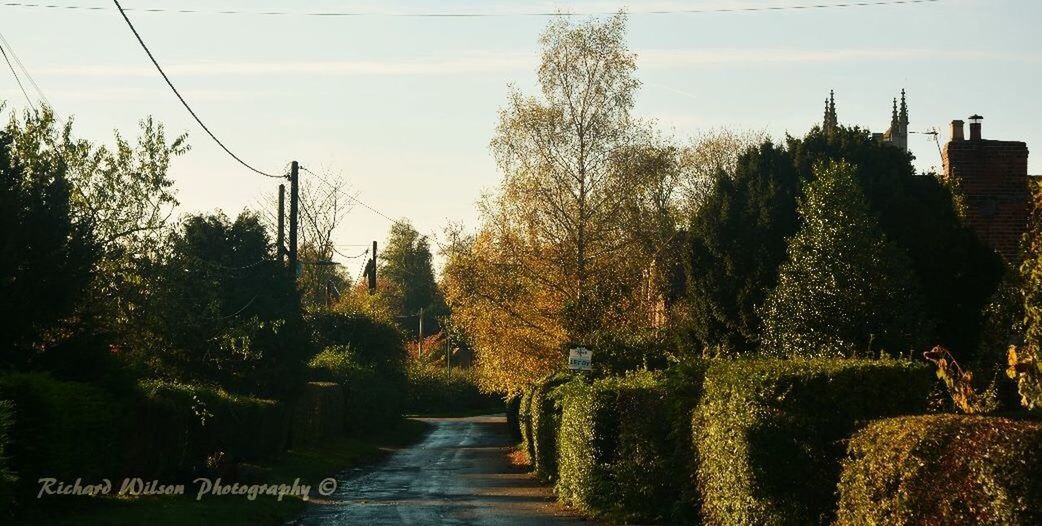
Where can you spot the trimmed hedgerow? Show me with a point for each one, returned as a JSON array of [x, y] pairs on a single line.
[[181, 429], [625, 450], [318, 414], [7, 477], [512, 407], [769, 433], [524, 417], [943, 469], [545, 415], [61, 429]]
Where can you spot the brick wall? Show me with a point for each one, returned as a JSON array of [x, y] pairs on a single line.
[[991, 177]]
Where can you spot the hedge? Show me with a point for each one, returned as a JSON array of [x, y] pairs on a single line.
[[178, 429], [374, 397], [625, 449], [7, 477], [512, 407], [543, 419], [433, 389], [769, 433], [318, 414], [65, 430], [944, 469]]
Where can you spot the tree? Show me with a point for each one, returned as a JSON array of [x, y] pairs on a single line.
[[736, 241], [122, 194], [223, 310], [1025, 360], [955, 271], [406, 264], [47, 252], [845, 289], [557, 256]]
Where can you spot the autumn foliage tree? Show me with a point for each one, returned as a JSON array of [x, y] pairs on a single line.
[[567, 240]]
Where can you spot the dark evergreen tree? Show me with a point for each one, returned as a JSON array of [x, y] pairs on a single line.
[[736, 242], [46, 255], [845, 289], [955, 271]]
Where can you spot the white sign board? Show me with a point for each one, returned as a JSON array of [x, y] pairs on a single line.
[[580, 359]]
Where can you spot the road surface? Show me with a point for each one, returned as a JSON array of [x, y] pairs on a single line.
[[457, 475]]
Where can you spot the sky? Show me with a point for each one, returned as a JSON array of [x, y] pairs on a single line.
[[402, 108]]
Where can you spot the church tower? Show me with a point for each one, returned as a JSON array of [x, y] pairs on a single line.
[[900, 136], [830, 122]]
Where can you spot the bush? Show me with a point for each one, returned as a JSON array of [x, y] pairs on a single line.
[[513, 411], [180, 429], [544, 421], [943, 469], [65, 430], [435, 389], [769, 432], [374, 344], [373, 398], [625, 448], [7, 477], [318, 413]]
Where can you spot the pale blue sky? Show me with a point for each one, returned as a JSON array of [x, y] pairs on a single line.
[[404, 107]]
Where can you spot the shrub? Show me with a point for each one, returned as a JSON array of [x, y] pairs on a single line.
[[625, 448], [7, 477], [435, 389], [374, 397], [769, 432], [524, 417], [513, 412], [177, 429], [545, 420], [61, 429], [943, 469], [374, 344], [318, 413]]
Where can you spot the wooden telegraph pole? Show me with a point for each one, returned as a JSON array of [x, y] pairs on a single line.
[[294, 195], [280, 247]]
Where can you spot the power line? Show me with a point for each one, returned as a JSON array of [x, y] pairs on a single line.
[[480, 14], [182, 99], [353, 198], [25, 70], [17, 79]]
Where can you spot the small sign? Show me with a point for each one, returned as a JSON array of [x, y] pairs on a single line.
[[580, 359]]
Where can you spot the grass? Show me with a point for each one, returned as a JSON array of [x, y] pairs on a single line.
[[310, 465]]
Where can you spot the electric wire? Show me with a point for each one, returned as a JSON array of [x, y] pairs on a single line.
[[17, 79], [481, 14], [182, 99], [25, 71]]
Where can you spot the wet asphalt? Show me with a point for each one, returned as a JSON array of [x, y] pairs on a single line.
[[457, 475]]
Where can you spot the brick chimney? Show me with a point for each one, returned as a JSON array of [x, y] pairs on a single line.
[[975, 127], [991, 176]]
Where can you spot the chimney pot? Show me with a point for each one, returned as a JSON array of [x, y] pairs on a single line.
[[975, 127], [957, 130]]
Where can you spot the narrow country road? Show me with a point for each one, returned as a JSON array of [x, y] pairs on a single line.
[[458, 474]]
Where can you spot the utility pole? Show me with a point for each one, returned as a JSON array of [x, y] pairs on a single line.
[[419, 342], [371, 271], [280, 247], [294, 195]]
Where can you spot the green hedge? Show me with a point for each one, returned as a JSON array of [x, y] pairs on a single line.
[[433, 389], [374, 396], [318, 414], [512, 407], [62, 429], [542, 425], [524, 417], [944, 469], [625, 449], [769, 433], [176, 429], [7, 476]]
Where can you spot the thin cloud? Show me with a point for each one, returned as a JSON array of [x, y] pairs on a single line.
[[487, 63]]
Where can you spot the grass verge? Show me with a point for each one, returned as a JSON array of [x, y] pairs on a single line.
[[310, 465]]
